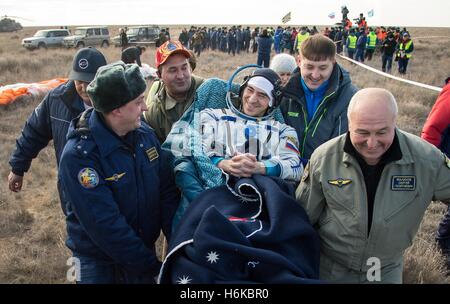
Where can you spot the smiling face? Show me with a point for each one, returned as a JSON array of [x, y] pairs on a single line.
[[255, 102], [315, 73], [176, 74], [372, 125]]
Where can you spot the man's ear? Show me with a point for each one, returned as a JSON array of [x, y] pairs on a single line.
[[116, 112], [299, 59]]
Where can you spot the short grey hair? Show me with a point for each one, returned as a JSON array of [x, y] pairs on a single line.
[[370, 92]]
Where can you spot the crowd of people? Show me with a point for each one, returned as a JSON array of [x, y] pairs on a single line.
[[359, 42], [296, 136]]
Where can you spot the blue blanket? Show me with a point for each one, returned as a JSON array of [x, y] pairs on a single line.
[[248, 231]]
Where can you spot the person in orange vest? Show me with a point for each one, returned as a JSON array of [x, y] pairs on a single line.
[[404, 53], [348, 24]]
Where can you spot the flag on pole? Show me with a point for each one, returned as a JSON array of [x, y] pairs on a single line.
[[370, 13], [286, 18], [332, 15]]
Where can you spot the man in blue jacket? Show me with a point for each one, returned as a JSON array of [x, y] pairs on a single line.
[[316, 97], [264, 48], [51, 119], [119, 192]]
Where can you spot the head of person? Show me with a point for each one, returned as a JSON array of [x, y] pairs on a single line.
[[390, 36], [117, 92], [316, 60], [372, 117], [85, 64], [284, 65], [406, 36], [260, 92], [131, 55], [174, 68]]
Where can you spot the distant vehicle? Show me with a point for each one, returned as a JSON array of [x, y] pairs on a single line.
[[88, 36], [140, 35], [45, 38]]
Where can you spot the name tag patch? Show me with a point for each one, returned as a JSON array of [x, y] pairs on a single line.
[[403, 183]]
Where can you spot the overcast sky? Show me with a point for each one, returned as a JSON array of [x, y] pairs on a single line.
[[109, 12]]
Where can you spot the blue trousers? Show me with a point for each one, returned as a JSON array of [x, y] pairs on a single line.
[[402, 65], [387, 63], [263, 60], [359, 56], [350, 53], [94, 271]]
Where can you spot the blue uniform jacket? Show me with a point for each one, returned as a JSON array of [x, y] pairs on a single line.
[[118, 193], [50, 120]]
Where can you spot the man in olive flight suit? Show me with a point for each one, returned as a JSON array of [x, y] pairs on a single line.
[[366, 192]]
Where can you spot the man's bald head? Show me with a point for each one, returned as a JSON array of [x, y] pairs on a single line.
[[372, 117], [373, 99]]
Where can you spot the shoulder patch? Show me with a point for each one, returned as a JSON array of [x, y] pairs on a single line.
[[88, 178], [152, 154]]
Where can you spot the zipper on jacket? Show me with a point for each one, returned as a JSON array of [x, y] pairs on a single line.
[[365, 221], [318, 122], [307, 125]]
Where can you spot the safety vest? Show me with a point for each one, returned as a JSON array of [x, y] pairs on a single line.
[[352, 44], [373, 40], [300, 38], [406, 47]]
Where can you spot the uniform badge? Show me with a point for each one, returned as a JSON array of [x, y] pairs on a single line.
[[340, 182], [115, 177], [152, 154], [293, 114], [88, 178], [403, 183], [305, 173]]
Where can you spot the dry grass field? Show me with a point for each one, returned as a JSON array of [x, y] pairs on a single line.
[[32, 227]]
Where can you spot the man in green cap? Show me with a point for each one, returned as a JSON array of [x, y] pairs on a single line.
[[117, 188]]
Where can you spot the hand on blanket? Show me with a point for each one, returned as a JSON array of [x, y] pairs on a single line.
[[242, 165]]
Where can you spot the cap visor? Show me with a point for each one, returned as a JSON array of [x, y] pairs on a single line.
[[182, 52], [86, 77]]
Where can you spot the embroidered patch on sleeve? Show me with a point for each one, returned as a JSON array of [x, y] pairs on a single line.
[[88, 178], [152, 154]]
